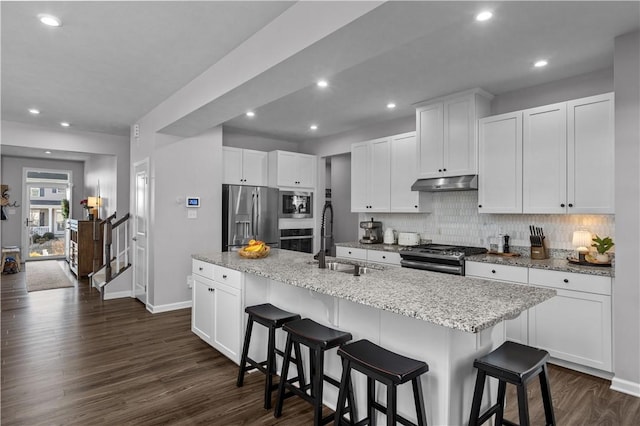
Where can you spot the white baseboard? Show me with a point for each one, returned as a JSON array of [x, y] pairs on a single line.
[[625, 386], [169, 307], [117, 295]]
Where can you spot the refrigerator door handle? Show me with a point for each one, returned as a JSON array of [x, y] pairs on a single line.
[[254, 216]]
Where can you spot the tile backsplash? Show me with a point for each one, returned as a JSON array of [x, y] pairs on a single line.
[[455, 220]]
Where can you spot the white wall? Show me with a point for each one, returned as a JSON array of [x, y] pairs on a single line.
[[345, 223], [626, 291], [242, 139], [102, 169], [575, 87]]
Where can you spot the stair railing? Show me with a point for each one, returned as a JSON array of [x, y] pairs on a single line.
[[117, 232]]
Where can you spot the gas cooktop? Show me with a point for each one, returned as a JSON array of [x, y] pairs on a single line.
[[444, 250]]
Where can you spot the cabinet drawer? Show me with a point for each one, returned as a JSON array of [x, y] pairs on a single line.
[[228, 276], [492, 271], [351, 253], [570, 281], [202, 268], [388, 257]]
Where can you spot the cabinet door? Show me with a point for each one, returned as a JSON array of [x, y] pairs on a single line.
[[430, 131], [500, 164], [306, 171], [287, 168], [544, 159], [232, 166], [591, 155], [404, 174], [202, 308], [227, 315], [459, 148], [254, 167], [360, 176], [574, 326], [380, 176]]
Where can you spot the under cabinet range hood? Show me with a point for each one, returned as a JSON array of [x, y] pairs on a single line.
[[451, 183]]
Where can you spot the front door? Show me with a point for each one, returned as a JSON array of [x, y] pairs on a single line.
[[140, 231], [44, 222]]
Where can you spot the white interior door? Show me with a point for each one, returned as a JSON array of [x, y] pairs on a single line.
[[141, 231]]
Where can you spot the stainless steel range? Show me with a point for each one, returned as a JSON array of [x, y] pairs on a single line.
[[438, 257]]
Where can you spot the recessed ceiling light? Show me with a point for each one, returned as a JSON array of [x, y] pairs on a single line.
[[47, 152], [391, 105], [50, 20], [313, 127], [34, 111], [65, 124], [251, 114], [541, 63], [322, 83], [484, 16]]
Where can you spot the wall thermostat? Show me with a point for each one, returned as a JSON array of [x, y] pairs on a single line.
[[193, 201]]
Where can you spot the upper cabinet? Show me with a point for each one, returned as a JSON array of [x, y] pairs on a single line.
[[565, 163], [244, 166], [447, 133], [292, 170], [382, 172]]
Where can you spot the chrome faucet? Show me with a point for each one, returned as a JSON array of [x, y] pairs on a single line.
[[322, 264]]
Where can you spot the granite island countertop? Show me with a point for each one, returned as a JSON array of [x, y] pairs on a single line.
[[457, 302]]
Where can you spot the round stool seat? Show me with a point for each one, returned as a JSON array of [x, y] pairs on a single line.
[[372, 359]]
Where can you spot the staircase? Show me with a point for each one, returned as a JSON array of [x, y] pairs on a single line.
[[115, 260]]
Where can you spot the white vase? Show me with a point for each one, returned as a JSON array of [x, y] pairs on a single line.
[[602, 257]]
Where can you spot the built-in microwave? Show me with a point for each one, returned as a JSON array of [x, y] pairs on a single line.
[[296, 204]]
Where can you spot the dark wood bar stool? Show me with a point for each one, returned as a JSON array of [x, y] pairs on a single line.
[[389, 368], [517, 364], [318, 339], [272, 318]]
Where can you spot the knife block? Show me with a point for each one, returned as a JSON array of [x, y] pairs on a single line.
[[540, 252]]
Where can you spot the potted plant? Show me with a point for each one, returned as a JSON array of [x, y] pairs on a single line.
[[602, 245]]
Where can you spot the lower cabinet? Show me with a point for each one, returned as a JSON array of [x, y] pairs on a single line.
[[574, 326], [385, 257], [217, 308]]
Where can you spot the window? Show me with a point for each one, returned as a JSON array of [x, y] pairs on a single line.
[[35, 193]]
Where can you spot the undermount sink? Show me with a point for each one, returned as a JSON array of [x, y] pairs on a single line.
[[347, 269]]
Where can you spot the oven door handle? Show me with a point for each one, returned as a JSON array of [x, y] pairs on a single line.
[[302, 237], [437, 267]]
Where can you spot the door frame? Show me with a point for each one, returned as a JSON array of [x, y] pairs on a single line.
[[141, 166], [26, 207]]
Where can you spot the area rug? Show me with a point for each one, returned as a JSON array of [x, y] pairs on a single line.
[[46, 274]]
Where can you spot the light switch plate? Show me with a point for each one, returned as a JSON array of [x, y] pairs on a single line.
[[192, 214]]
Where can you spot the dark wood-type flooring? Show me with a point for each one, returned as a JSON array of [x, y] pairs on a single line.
[[70, 359]]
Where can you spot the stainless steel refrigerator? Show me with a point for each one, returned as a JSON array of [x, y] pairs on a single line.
[[249, 212]]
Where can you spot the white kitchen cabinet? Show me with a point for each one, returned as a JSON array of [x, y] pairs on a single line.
[[575, 325], [516, 329], [382, 172], [500, 164], [565, 164], [292, 170], [403, 174], [351, 253], [244, 166], [217, 307], [371, 176], [544, 159], [591, 154], [447, 134]]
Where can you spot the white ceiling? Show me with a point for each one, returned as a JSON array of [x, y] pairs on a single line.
[[112, 62]]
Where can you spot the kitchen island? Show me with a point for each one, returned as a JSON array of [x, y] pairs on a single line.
[[445, 320]]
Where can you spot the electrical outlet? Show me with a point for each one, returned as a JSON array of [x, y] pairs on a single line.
[[190, 281]]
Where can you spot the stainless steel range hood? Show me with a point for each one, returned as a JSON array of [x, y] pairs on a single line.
[[452, 183]]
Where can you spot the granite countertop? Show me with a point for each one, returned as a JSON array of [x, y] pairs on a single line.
[[553, 264], [461, 303]]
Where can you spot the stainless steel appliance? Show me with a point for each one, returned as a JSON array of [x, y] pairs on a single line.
[[372, 232], [296, 204], [249, 212], [438, 257], [297, 239]]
